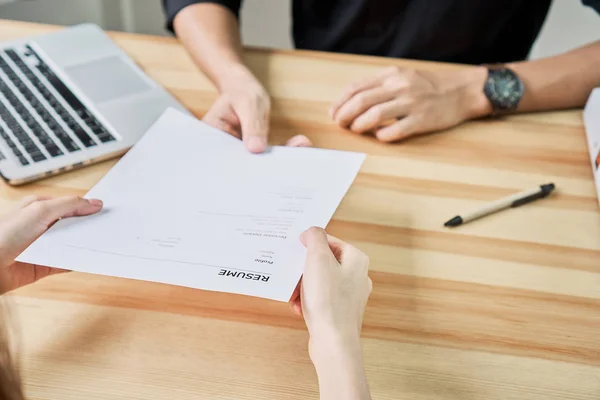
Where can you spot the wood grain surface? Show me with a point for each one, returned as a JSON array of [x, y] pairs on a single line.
[[507, 307]]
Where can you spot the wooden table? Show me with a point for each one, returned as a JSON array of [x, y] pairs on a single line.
[[504, 308]]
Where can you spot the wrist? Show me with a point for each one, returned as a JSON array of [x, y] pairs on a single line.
[[475, 102], [234, 76], [328, 348]]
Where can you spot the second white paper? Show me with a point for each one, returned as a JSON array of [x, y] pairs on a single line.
[[189, 206]]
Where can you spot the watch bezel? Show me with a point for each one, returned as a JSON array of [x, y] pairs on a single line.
[[503, 104]]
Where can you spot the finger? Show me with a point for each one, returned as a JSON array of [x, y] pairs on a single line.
[[344, 252], [296, 293], [299, 141], [314, 238], [361, 102], [377, 115], [352, 90], [397, 131], [24, 202], [218, 117], [48, 211], [297, 308], [31, 199], [229, 128], [337, 247], [318, 252], [355, 88], [319, 244], [212, 116], [254, 120], [296, 301]]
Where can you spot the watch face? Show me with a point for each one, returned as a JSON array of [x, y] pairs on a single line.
[[504, 89]]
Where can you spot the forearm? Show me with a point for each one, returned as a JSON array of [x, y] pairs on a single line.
[[211, 35], [339, 367], [559, 82]]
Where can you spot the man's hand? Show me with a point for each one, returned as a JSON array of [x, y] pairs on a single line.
[[399, 103], [243, 110], [23, 226]]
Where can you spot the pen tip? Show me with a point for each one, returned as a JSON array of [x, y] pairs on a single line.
[[456, 221], [547, 188]]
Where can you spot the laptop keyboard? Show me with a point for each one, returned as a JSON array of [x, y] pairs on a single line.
[[41, 117]]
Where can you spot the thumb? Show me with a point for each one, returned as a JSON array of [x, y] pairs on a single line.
[[34, 219], [48, 211], [318, 250], [314, 239], [254, 121], [27, 224]]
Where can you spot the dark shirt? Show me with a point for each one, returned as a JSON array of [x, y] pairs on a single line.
[[462, 31]]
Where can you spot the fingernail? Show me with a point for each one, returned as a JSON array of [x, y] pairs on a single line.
[[299, 141], [256, 144], [96, 202]]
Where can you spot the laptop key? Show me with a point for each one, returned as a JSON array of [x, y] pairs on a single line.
[[22, 159], [103, 135], [37, 157], [83, 136], [54, 150], [65, 139], [106, 138]]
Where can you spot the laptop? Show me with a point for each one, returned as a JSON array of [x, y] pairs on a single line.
[[69, 99]]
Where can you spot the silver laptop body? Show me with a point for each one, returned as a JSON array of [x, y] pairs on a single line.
[[68, 99]]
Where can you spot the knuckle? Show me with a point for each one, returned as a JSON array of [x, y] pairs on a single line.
[[40, 208], [73, 199], [28, 200], [360, 100], [376, 114]]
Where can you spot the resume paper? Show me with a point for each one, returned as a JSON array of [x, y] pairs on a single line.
[[189, 206]]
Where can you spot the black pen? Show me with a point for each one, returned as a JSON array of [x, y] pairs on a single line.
[[515, 200]]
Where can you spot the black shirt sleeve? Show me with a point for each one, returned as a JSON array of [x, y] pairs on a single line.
[[172, 7], [595, 4]]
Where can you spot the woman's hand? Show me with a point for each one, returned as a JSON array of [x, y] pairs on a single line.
[[335, 286], [25, 224], [332, 297]]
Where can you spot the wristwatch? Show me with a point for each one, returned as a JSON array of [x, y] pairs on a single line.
[[504, 89]]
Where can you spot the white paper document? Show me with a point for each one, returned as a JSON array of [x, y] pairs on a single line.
[[591, 119], [189, 206]]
